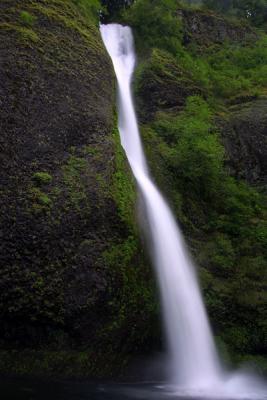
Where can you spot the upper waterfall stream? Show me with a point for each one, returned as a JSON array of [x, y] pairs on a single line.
[[194, 363]]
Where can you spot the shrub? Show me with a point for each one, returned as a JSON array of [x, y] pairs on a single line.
[[195, 151], [155, 24]]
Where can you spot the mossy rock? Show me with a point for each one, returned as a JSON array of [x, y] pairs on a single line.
[[63, 198], [162, 84]]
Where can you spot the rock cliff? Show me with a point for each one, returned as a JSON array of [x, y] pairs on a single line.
[[68, 233], [77, 296]]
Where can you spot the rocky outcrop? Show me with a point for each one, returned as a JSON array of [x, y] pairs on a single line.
[[162, 84], [245, 138], [206, 28]]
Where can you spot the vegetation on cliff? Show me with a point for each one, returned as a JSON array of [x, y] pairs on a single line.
[[197, 74], [67, 199], [77, 292]]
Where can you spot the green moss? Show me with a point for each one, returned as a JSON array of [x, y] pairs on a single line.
[[42, 178], [135, 303], [25, 33], [157, 26], [224, 220], [27, 18], [92, 150], [123, 188], [74, 173], [39, 293], [89, 8], [66, 14], [40, 200]]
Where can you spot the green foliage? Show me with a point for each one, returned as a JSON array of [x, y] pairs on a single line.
[[226, 71], [134, 304], [254, 11], [155, 23], [123, 188], [25, 34], [230, 70], [220, 251], [74, 173], [238, 68], [42, 178], [224, 219], [113, 7], [27, 18], [89, 8], [195, 150], [40, 201]]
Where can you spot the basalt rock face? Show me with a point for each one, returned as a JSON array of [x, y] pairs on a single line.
[[57, 157], [206, 28], [245, 139], [162, 85], [67, 200], [73, 276]]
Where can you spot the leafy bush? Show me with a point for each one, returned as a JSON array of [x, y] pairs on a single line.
[[230, 70], [195, 149], [238, 68], [155, 24]]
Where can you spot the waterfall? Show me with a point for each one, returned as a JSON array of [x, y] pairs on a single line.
[[194, 362]]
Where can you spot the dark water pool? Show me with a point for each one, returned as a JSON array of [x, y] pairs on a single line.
[[16, 389]]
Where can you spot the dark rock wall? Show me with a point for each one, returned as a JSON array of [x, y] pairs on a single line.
[[57, 98], [207, 28], [76, 294], [67, 199], [245, 139]]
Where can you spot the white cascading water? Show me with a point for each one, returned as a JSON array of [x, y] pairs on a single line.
[[194, 362]]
